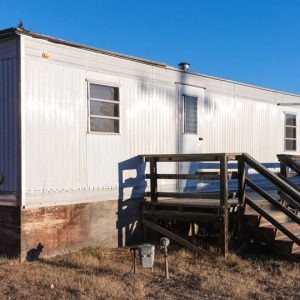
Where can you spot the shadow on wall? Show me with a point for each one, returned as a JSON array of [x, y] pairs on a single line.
[[128, 223]]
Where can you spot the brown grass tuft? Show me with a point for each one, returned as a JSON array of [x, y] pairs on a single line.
[[104, 274]]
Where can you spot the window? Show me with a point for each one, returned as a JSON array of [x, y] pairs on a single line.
[[190, 115], [104, 110], [290, 126]]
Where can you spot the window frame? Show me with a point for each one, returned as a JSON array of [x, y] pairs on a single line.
[[108, 84], [184, 114], [290, 126]]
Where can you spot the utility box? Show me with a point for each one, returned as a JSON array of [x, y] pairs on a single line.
[[147, 253]]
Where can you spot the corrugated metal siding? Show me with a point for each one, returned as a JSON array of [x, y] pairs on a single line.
[[8, 115], [61, 157], [64, 162]]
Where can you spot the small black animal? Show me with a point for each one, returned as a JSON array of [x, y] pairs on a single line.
[[33, 254]]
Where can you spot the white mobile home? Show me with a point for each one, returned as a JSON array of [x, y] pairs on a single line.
[[73, 120]]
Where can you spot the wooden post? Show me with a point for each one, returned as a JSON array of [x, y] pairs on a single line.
[[224, 204], [283, 168], [241, 181], [241, 192], [153, 179]]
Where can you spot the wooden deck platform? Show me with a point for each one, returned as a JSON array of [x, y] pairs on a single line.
[[229, 216]]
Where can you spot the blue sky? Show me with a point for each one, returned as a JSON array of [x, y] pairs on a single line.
[[255, 41]]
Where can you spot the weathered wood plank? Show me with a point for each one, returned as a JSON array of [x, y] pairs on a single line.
[[281, 184], [191, 157], [153, 179], [175, 237], [181, 216], [296, 187], [198, 175], [277, 204], [241, 194], [192, 195], [199, 203], [224, 204], [274, 222], [290, 161]]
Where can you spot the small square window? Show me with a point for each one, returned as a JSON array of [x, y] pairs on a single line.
[[104, 110]]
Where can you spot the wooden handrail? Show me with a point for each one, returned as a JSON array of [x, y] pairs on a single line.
[[275, 223], [191, 157], [290, 161], [281, 184], [273, 201]]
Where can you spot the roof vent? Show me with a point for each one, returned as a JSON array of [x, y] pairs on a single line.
[[185, 66]]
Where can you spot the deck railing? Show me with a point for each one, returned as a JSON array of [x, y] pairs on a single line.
[[292, 196], [244, 161], [223, 175]]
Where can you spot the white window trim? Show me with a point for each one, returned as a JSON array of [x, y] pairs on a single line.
[[291, 126], [184, 114], [89, 131]]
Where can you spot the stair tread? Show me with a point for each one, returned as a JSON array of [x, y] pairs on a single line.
[[283, 237], [288, 225], [269, 211], [296, 251]]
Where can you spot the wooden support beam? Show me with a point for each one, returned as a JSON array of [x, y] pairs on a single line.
[[192, 157], [175, 237], [241, 192], [191, 195], [153, 179], [181, 215], [224, 204], [293, 185], [198, 176], [283, 168], [289, 161]]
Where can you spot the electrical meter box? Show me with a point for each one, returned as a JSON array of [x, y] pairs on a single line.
[[146, 253]]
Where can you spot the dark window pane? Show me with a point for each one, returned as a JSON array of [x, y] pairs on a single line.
[[290, 132], [98, 91], [190, 114], [290, 145], [290, 120], [104, 125], [104, 109]]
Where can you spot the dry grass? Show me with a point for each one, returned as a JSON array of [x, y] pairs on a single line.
[[103, 274]]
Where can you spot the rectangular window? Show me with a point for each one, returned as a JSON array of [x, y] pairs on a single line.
[[290, 128], [190, 114], [104, 110]]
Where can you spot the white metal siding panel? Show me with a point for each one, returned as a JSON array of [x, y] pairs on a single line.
[[66, 164], [8, 115], [55, 128], [61, 157]]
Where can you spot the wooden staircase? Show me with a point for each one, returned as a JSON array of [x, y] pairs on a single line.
[[254, 213], [265, 232], [274, 220]]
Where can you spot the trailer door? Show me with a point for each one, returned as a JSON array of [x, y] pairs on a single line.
[[190, 127]]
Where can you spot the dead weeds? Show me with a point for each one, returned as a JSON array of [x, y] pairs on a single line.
[[104, 274]]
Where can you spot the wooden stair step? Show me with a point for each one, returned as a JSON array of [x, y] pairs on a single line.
[[265, 204], [276, 233], [255, 217], [296, 253]]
